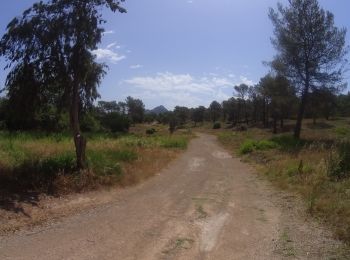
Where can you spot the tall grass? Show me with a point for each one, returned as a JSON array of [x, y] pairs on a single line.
[[36, 160]]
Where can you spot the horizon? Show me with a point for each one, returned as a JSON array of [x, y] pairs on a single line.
[[185, 53]]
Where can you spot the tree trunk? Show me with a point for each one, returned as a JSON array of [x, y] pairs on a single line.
[[282, 123], [79, 139], [300, 117], [275, 125], [264, 113], [267, 116]]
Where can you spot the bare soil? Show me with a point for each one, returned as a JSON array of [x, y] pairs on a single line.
[[205, 205]]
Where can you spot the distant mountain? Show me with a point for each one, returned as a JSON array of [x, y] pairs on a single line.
[[158, 110]]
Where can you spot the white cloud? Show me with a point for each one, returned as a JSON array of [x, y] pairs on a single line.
[[113, 45], [109, 46], [108, 55], [182, 89], [109, 32], [246, 81], [136, 66], [190, 2]]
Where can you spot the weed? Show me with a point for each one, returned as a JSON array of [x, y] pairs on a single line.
[[173, 142], [250, 145]]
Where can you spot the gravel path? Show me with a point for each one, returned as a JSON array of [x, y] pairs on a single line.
[[204, 205]]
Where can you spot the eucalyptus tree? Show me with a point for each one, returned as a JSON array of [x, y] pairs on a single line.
[[55, 40], [311, 50]]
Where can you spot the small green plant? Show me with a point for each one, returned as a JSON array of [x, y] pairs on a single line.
[[217, 125], [176, 142], [247, 147], [342, 131], [250, 145]]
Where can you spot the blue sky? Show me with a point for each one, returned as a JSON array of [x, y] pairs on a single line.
[[183, 52]]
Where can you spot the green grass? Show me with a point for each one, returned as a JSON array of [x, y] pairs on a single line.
[[35, 160], [249, 146]]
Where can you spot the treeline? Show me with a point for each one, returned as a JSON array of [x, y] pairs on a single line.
[[266, 104], [16, 114]]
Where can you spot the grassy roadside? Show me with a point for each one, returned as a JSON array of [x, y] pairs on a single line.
[[45, 163], [316, 167]]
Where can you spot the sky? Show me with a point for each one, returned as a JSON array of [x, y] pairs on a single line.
[[183, 52]]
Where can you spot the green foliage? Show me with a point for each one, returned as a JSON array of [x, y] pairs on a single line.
[[174, 142], [107, 161], [288, 142], [342, 131], [136, 110], [61, 163], [217, 125], [89, 123], [215, 110], [115, 122], [249, 146], [321, 63]]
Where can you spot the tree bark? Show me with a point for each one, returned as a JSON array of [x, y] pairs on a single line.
[[300, 117], [275, 125], [79, 139]]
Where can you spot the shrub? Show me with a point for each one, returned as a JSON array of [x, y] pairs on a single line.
[[288, 142], [116, 122], [150, 131], [342, 131], [89, 123], [265, 145], [338, 162], [60, 163], [217, 125], [247, 147]]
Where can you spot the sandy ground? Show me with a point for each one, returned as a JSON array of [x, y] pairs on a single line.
[[204, 205]]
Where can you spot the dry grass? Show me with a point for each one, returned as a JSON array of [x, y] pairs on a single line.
[[302, 167]]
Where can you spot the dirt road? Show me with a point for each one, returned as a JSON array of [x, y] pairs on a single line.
[[205, 205]]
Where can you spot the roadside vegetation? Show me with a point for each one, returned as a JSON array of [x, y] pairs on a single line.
[[46, 162], [317, 166]]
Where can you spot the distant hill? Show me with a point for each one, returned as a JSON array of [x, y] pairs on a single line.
[[157, 110]]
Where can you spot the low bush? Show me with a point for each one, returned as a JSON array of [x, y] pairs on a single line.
[[342, 131], [150, 131], [249, 146], [288, 142], [217, 125]]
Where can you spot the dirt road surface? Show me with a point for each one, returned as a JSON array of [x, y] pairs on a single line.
[[204, 205]]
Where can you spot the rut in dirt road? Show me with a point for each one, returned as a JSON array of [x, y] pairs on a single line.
[[204, 205]]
